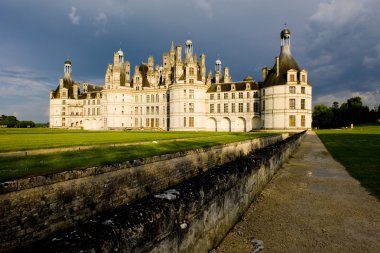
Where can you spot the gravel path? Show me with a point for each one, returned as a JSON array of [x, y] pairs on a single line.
[[311, 205]]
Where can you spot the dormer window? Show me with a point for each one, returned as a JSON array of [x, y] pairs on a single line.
[[291, 78], [218, 88], [303, 78], [247, 86], [233, 87]]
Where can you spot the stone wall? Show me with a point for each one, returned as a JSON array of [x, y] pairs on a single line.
[[192, 217], [33, 208]]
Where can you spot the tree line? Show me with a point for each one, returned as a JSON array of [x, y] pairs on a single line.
[[12, 121], [351, 112]]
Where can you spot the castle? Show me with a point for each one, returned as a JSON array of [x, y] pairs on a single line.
[[179, 96]]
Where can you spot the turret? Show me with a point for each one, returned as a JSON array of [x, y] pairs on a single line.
[[67, 70], [285, 41], [189, 49], [218, 68]]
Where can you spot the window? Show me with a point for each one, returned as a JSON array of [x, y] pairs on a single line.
[[147, 110], [303, 90], [225, 108], [146, 122], [255, 94], [136, 122], [240, 107], [184, 107], [191, 121], [147, 98], [248, 109], [291, 78], [152, 98], [191, 94], [64, 102], [233, 95], [292, 89], [191, 81], [93, 111], [84, 102], [233, 107], [292, 103], [303, 119], [292, 120], [218, 95], [211, 96], [263, 92], [303, 78], [136, 110], [191, 107], [218, 106], [191, 71], [225, 95], [98, 111], [255, 107], [240, 94], [263, 105], [98, 102], [247, 94], [88, 111], [157, 122], [93, 101], [212, 108], [184, 121], [303, 104], [157, 110], [157, 98], [184, 94], [152, 110]]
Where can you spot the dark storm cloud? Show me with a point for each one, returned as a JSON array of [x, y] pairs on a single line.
[[336, 40]]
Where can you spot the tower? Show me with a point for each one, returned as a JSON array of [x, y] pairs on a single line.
[[67, 70], [218, 69], [189, 48]]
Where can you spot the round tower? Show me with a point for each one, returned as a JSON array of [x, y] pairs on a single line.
[[67, 70]]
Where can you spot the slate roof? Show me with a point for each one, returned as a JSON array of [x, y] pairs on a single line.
[[239, 86]]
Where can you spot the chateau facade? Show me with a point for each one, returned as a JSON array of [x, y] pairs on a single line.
[[178, 95]]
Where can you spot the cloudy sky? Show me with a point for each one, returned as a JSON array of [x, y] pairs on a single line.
[[337, 41]]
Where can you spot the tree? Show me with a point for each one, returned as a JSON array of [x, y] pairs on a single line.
[[9, 121], [322, 116]]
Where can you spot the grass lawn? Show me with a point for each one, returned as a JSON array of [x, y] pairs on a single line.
[[358, 150], [16, 167], [40, 138]]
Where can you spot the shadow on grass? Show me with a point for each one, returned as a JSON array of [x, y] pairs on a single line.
[[359, 154]]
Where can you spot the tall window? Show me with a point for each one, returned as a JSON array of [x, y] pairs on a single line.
[[292, 78], [303, 78], [157, 98], [157, 110], [240, 94], [152, 98], [263, 105], [191, 71], [292, 120], [225, 108], [157, 123], [218, 106], [233, 107], [191, 121], [212, 96], [240, 107], [255, 107], [303, 90], [191, 81], [292, 103], [255, 94], [218, 95], [191, 93], [184, 94], [184, 107], [303, 119], [248, 107], [184, 121], [233, 95], [146, 122], [292, 89], [247, 94], [212, 108], [303, 104], [225, 95], [147, 110], [191, 107], [147, 98]]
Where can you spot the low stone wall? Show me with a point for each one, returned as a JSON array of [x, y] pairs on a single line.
[[193, 217], [33, 208]]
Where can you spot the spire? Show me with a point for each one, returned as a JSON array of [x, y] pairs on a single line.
[[172, 47]]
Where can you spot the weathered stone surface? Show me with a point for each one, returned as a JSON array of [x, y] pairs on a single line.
[[45, 204], [209, 204]]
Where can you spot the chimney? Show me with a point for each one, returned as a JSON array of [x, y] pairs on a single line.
[[179, 53], [264, 73]]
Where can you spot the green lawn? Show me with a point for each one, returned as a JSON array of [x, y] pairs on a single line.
[[358, 150], [16, 167], [40, 138]]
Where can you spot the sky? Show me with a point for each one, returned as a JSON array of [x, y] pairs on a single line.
[[337, 41]]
